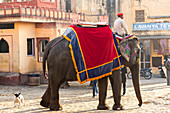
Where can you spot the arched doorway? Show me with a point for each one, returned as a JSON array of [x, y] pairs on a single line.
[[4, 47], [4, 55]]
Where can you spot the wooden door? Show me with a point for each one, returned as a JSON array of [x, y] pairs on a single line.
[[5, 54]]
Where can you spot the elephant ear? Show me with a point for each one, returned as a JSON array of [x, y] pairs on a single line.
[[125, 49], [130, 49]]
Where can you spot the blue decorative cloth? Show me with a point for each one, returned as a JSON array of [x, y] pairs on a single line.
[[94, 52]]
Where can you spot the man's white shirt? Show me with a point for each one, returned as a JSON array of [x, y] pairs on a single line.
[[118, 25]]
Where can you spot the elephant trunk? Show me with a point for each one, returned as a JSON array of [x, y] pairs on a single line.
[[136, 82]]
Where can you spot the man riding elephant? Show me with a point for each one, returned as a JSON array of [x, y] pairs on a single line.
[[63, 67], [120, 27]]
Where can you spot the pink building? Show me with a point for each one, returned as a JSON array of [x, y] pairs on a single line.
[[26, 26]]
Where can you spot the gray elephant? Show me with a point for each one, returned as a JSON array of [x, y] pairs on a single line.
[[61, 69]]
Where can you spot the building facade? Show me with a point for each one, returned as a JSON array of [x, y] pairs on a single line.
[[26, 26], [150, 21]]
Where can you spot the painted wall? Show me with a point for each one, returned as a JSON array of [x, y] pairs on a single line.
[[33, 3], [150, 7], [46, 30], [51, 31], [27, 62], [11, 36], [90, 8], [155, 11]]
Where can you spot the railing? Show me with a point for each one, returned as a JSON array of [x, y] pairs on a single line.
[[38, 12]]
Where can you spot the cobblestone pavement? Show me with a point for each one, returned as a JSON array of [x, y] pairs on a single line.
[[78, 99]]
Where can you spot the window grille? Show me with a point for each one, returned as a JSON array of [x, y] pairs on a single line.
[[139, 16]]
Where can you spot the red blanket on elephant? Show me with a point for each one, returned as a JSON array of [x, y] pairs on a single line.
[[94, 51]]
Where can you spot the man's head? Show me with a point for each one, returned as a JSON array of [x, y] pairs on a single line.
[[120, 15]]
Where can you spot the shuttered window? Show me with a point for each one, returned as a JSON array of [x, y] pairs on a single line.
[[139, 16]]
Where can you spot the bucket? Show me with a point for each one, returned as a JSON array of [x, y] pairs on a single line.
[[33, 79]]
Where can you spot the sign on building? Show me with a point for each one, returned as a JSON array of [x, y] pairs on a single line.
[[151, 26], [104, 19]]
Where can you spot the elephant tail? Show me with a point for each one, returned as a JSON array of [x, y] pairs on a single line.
[[49, 46], [44, 62]]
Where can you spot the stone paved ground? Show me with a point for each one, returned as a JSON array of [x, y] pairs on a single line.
[[78, 99]]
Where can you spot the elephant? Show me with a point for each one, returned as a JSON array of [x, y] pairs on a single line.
[[60, 69]]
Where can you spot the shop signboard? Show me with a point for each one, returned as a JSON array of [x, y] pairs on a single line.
[[151, 26]]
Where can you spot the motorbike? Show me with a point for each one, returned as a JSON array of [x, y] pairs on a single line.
[[161, 71], [144, 72]]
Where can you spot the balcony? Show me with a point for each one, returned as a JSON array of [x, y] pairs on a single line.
[[36, 14]]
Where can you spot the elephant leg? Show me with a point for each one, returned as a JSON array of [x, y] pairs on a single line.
[[54, 99], [102, 83], [124, 88], [45, 102], [116, 80]]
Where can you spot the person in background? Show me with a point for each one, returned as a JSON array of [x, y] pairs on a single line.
[[119, 25], [124, 71], [167, 65], [95, 88]]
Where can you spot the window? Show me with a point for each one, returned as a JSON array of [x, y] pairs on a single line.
[[68, 5], [156, 61], [161, 46], [145, 53], [139, 16], [7, 26], [30, 47], [4, 48], [42, 43], [156, 46]]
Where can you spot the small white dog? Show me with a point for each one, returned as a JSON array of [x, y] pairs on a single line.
[[18, 98]]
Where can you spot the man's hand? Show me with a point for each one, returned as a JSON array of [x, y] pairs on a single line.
[[127, 34]]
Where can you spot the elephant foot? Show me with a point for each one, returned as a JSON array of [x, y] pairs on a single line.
[[65, 85], [140, 104], [103, 107], [118, 107], [56, 108], [44, 104]]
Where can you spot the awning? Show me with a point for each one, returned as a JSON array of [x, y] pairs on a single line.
[[154, 37]]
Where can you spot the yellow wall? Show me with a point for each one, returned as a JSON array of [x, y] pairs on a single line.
[[27, 63], [18, 60], [11, 36]]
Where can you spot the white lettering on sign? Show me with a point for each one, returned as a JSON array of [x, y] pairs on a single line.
[[151, 26]]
